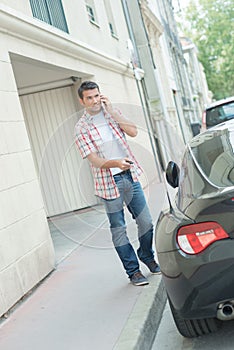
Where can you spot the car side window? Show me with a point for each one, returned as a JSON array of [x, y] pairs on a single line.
[[219, 114], [215, 157]]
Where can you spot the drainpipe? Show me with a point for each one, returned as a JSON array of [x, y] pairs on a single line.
[[141, 85]]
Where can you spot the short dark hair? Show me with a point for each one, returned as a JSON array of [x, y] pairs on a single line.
[[87, 85]]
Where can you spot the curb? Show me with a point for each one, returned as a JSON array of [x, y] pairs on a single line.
[[143, 322]]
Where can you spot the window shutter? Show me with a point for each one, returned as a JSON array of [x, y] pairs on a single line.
[[56, 13], [51, 12]]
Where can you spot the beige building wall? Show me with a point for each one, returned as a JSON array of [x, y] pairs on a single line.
[[170, 135], [32, 54], [26, 251]]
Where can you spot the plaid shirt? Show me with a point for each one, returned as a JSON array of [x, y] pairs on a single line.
[[89, 141]]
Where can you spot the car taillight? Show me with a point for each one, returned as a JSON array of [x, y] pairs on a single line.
[[193, 239]]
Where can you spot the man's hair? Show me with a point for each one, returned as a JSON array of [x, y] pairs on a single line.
[[87, 85]]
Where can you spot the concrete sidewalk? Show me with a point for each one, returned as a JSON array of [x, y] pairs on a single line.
[[88, 302]]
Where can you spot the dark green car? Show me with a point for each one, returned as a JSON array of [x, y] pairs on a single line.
[[195, 235]]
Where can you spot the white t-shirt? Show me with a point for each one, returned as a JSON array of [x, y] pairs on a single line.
[[111, 147]]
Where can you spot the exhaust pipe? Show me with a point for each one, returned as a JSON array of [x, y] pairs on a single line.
[[225, 311]]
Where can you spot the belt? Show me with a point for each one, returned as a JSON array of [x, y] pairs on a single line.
[[123, 172]]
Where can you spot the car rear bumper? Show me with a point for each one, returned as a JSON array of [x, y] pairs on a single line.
[[206, 280]]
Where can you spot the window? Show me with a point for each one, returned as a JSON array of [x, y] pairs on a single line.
[[111, 28], [91, 12], [110, 18], [219, 114], [215, 156], [51, 12]]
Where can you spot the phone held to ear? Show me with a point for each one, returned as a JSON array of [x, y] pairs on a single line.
[[103, 100]]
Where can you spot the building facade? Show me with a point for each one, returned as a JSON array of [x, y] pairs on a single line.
[[201, 93], [164, 81], [172, 123], [46, 50]]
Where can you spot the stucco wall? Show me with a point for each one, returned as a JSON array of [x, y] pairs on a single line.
[[26, 250]]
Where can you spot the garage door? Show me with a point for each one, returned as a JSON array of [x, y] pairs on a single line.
[[65, 179]]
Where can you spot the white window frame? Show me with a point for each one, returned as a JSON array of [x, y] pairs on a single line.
[[110, 18], [90, 8]]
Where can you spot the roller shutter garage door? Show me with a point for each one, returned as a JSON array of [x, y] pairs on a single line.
[[65, 179]]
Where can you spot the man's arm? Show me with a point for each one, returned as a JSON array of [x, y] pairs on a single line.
[[98, 162], [125, 124]]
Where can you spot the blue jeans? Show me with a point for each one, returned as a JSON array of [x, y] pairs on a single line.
[[132, 195]]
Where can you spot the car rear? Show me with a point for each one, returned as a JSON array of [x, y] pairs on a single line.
[[205, 259], [198, 263], [196, 252]]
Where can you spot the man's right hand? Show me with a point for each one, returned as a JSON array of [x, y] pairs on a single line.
[[124, 164]]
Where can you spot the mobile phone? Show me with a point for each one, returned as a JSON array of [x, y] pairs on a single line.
[[102, 101], [129, 161]]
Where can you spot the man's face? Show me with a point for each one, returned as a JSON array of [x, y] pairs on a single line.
[[91, 101]]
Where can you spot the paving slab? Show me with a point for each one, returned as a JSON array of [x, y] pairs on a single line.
[[88, 302]]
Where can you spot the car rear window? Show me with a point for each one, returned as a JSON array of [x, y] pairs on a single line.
[[219, 114], [214, 153]]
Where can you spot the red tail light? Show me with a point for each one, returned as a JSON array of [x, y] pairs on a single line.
[[193, 239]]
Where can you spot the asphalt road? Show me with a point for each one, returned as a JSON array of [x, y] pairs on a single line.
[[168, 338]]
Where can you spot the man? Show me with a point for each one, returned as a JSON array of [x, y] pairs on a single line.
[[100, 136]]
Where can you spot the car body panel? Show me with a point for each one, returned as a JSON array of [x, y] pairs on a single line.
[[208, 280], [197, 283]]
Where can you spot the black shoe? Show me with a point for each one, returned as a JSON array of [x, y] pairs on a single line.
[[138, 279], [153, 267]]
